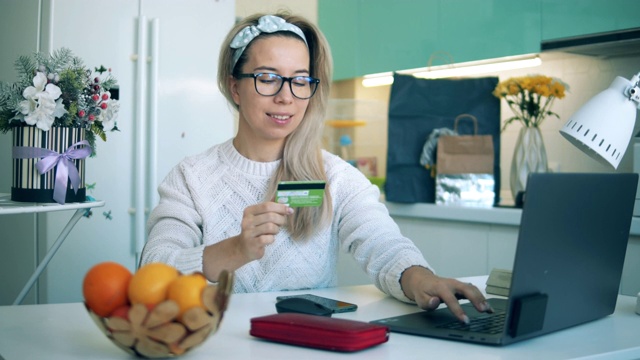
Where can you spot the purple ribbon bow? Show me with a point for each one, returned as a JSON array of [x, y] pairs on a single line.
[[50, 159]]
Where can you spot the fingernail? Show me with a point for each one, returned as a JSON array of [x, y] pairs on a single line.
[[289, 209], [433, 302], [465, 319], [487, 307]]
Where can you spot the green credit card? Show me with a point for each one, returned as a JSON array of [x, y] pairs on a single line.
[[300, 193]]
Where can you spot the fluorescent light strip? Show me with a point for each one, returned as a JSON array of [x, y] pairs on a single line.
[[478, 69], [463, 69], [378, 79]]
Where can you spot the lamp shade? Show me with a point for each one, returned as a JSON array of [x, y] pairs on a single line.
[[602, 128]]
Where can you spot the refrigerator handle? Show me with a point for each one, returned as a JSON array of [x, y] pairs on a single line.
[[153, 114], [141, 143]]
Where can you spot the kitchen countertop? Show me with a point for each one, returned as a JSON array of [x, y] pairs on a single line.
[[495, 215]]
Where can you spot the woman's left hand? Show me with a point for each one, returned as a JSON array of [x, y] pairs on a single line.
[[429, 291]]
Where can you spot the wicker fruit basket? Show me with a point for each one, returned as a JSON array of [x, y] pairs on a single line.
[[159, 332]]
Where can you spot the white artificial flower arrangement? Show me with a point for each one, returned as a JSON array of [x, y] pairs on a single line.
[[58, 90]]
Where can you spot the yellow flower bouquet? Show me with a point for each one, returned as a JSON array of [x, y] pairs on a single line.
[[530, 98]]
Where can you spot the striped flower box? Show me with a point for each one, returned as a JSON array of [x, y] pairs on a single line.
[[28, 184]]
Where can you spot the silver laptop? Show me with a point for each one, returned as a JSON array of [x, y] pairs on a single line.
[[568, 264]]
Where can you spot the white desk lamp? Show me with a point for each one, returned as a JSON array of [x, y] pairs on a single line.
[[602, 128]]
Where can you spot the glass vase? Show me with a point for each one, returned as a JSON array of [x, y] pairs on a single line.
[[529, 156]]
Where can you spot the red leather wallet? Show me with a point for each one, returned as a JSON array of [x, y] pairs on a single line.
[[319, 331]]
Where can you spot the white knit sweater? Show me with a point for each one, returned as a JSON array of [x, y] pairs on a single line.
[[202, 201]]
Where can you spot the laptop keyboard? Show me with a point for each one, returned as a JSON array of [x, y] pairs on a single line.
[[486, 324]]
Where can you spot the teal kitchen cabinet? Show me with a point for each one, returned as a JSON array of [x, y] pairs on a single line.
[[371, 36], [570, 18], [338, 22], [481, 29]]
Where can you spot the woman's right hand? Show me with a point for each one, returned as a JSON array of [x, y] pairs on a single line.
[[260, 225]]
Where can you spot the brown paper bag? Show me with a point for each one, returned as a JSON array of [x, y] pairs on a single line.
[[465, 154], [465, 168]]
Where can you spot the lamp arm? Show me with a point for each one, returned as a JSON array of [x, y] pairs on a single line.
[[633, 91]]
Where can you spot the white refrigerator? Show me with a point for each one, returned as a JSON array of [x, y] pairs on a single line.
[[164, 54]]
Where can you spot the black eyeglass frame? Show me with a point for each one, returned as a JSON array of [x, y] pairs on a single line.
[[255, 76]]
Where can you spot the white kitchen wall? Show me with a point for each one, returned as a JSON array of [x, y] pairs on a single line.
[[15, 228], [585, 75]]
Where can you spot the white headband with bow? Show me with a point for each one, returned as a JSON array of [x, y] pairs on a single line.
[[266, 24]]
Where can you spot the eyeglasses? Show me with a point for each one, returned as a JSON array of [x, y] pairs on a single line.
[[268, 84]]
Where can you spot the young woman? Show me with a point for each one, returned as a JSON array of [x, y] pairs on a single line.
[[217, 209]]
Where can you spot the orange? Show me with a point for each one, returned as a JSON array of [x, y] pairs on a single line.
[[105, 287], [149, 284], [186, 290], [121, 311]]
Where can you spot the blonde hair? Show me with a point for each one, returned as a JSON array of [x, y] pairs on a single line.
[[302, 156]]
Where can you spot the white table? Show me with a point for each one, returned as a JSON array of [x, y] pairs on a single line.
[[12, 207], [65, 331]]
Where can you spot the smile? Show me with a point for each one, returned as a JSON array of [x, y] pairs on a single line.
[[280, 118]]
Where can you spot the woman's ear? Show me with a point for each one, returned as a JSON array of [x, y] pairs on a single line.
[[233, 87]]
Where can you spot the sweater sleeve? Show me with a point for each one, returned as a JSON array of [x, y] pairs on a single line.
[[368, 233], [175, 226]]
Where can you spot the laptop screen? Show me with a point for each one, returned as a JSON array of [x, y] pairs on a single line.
[[571, 247], [572, 244]]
